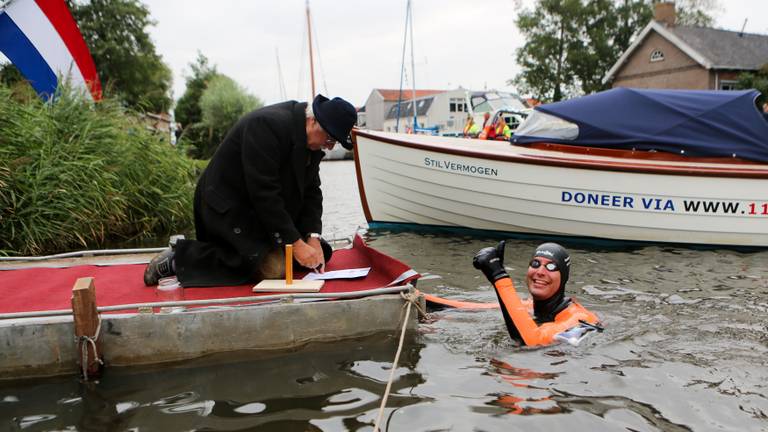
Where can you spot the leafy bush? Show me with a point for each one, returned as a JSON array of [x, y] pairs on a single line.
[[187, 108], [223, 102], [77, 174]]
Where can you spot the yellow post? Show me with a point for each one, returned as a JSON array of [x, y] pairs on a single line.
[[289, 264]]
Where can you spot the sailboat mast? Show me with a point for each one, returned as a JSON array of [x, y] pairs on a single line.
[[283, 95], [311, 60], [402, 64], [413, 70]]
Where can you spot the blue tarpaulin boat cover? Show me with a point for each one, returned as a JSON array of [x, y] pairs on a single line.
[[693, 122]]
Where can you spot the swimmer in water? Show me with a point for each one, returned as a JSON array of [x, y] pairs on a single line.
[[553, 313]]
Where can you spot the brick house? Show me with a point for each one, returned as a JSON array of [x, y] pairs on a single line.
[[665, 55]]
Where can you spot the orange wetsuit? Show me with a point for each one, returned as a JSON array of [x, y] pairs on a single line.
[[516, 315]]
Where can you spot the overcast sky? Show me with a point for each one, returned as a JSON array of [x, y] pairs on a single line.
[[456, 42]]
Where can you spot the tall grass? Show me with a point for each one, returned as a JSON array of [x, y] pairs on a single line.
[[74, 174]]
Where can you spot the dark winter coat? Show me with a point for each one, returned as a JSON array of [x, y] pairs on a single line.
[[261, 190]]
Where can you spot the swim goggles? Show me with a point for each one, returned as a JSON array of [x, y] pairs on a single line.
[[550, 266]]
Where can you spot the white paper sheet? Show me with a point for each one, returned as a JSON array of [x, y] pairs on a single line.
[[339, 274]]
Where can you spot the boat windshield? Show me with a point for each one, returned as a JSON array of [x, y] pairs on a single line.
[[494, 101], [543, 125]]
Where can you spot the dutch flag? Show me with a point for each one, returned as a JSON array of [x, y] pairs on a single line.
[[41, 38]]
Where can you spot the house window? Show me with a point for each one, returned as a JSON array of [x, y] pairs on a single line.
[[457, 105], [657, 55], [728, 85]]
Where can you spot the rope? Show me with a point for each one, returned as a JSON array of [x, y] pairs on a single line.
[[410, 299], [85, 340], [413, 298]]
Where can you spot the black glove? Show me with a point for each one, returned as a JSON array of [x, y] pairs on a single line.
[[491, 261]]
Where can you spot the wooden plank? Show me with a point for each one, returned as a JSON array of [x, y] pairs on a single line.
[[288, 285], [86, 320], [280, 285]]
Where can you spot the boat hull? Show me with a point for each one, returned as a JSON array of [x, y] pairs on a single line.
[[134, 339], [495, 186]]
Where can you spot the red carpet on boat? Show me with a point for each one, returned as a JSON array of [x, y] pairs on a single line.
[[38, 289]]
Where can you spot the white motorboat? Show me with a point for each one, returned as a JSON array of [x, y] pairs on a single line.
[[561, 190]]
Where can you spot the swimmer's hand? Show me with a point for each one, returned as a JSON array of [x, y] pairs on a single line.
[[491, 261]]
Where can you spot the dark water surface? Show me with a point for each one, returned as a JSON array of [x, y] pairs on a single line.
[[685, 349]]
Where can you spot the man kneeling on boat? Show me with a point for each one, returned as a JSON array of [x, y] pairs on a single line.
[[556, 318], [260, 191]]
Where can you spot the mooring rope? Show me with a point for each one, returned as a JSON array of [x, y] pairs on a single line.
[[84, 349], [410, 299]]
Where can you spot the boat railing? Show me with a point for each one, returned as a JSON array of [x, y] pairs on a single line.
[[102, 252], [243, 301]]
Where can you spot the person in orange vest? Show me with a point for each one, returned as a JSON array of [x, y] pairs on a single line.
[[488, 131], [555, 317], [486, 117], [502, 130], [471, 130]]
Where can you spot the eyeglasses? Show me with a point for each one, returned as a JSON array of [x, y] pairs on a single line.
[[328, 138], [550, 266]]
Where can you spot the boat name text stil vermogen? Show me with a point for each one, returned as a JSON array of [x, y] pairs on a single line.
[[460, 167]]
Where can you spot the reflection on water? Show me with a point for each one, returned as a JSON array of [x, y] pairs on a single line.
[[526, 397], [340, 383], [685, 349]]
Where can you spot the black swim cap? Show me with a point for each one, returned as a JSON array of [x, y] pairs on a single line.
[[547, 309], [559, 256]]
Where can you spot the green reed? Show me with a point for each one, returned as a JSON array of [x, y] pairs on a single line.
[[74, 174]]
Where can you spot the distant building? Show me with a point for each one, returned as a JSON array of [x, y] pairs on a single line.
[[666, 55], [380, 101], [362, 118], [446, 111], [162, 123]]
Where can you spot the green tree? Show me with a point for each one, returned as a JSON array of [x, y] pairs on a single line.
[[553, 37], [598, 47], [187, 109], [696, 12], [570, 44], [755, 80], [632, 15], [125, 56], [222, 103]]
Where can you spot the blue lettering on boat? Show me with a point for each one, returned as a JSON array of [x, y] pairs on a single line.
[[652, 204], [598, 199], [658, 204]]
